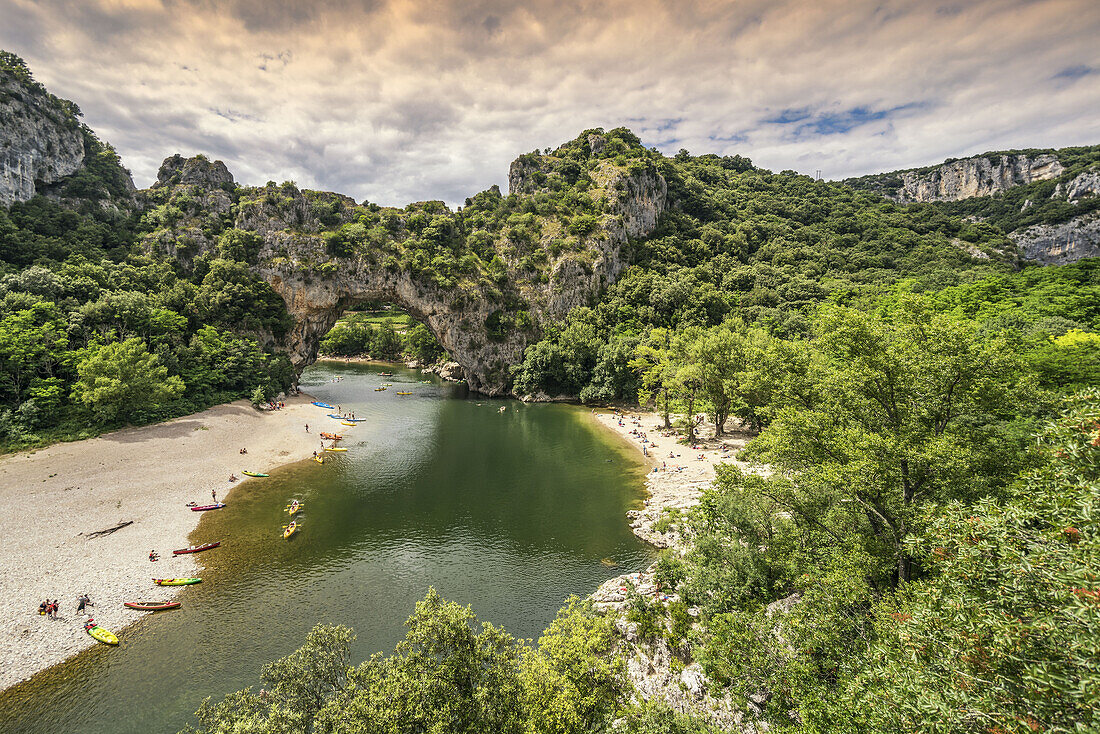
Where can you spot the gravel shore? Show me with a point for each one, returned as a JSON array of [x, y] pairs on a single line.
[[56, 497]]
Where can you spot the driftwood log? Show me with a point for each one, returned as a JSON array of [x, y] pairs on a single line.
[[108, 531]]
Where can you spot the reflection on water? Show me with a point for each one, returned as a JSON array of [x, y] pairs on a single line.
[[508, 512]]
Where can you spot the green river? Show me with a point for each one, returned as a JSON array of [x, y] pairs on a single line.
[[508, 512]]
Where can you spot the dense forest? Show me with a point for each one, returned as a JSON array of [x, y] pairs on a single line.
[[923, 406]]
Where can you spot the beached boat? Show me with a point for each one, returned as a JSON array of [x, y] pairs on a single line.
[[176, 582], [335, 417], [253, 473], [204, 508], [347, 423], [196, 548], [333, 448], [291, 529], [151, 606], [353, 421], [325, 405], [105, 636]]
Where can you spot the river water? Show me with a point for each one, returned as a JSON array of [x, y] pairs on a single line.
[[510, 512]]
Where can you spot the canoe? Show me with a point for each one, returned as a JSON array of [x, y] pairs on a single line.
[[176, 582], [318, 459], [404, 393], [104, 636], [348, 423], [196, 548], [204, 508], [294, 507], [335, 417], [379, 389], [151, 606], [290, 529], [253, 473], [353, 421], [333, 448], [385, 374], [325, 405]]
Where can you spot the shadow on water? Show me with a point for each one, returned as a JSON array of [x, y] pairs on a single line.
[[510, 512]]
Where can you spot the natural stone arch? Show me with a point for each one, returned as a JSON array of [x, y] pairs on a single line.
[[291, 231]]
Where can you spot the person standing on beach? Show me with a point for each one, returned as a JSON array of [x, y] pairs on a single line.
[[214, 495], [307, 428], [82, 602]]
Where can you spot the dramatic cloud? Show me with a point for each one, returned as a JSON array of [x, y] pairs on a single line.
[[403, 100]]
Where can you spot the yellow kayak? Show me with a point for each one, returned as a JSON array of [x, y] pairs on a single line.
[[335, 449], [318, 459], [105, 636], [294, 507], [347, 423], [404, 393], [290, 529]]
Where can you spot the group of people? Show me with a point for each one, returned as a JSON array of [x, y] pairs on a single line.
[[50, 607], [275, 405], [154, 556]]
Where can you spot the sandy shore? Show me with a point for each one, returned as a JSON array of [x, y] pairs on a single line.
[[678, 475], [54, 497]]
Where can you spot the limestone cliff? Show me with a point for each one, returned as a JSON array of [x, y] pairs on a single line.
[[40, 141], [1062, 243], [964, 178]]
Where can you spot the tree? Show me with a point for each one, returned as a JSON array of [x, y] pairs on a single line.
[[118, 379], [911, 412], [653, 360], [1002, 637], [32, 342]]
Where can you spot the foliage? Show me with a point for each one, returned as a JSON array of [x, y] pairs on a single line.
[[1002, 636], [445, 676], [119, 378]]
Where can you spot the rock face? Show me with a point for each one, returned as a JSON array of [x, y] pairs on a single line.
[[1059, 244], [970, 177], [40, 143]]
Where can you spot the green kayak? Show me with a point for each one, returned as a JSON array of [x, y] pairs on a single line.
[[253, 473], [176, 582]]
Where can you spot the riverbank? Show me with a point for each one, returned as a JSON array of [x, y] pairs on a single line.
[[57, 497], [677, 478]]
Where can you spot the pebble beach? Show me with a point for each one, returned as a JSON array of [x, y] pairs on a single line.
[[56, 498]]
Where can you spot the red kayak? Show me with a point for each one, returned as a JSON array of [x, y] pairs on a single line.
[[196, 548], [152, 606], [204, 508]]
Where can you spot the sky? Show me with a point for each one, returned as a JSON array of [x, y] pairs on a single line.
[[401, 101]]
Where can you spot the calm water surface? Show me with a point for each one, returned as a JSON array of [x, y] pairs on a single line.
[[508, 512]]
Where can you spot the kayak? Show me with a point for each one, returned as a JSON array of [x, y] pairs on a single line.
[[254, 474], [385, 374], [379, 389], [151, 606], [294, 507], [324, 405], [348, 423], [176, 582], [335, 449], [353, 421], [104, 636], [318, 459], [290, 529], [196, 548], [204, 508], [335, 417], [404, 393]]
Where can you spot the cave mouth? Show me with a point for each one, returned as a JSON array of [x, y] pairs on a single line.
[[382, 331]]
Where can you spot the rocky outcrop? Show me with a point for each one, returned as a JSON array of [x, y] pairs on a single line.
[[1059, 244], [196, 171], [1079, 187], [41, 142], [979, 176]]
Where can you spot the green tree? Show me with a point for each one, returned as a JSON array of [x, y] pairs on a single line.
[[1002, 637], [118, 379], [32, 343]]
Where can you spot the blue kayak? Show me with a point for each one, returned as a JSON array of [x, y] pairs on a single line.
[[355, 420], [337, 417], [325, 405]]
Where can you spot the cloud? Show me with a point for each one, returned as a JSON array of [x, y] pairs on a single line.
[[406, 100]]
